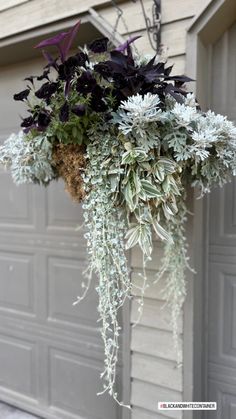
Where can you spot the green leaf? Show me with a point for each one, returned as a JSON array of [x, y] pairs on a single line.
[[145, 240], [159, 173], [140, 234], [132, 236], [174, 186], [134, 155], [127, 158], [114, 182], [136, 181], [129, 196], [166, 185], [168, 164], [150, 190], [161, 232], [74, 132], [146, 166], [167, 210]]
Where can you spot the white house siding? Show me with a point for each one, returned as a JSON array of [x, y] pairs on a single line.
[[154, 375]]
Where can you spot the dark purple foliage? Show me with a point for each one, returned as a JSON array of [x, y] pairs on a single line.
[[125, 45], [30, 79], [44, 120], [62, 41], [79, 110], [51, 61], [98, 105], [21, 95], [86, 83], [70, 38], [99, 45], [64, 112], [129, 79], [44, 75], [80, 59], [46, 90], [67, 70], [27, 122], [117, 78], [53, 41], [97, 100]]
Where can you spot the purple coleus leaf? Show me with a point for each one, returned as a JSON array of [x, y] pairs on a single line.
[[62, 41], [125, 45], [70, 38]]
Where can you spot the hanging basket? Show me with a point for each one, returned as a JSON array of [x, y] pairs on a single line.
[[128, 140]]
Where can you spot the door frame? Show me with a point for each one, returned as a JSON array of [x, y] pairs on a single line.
[[205, 29], [23, 42]]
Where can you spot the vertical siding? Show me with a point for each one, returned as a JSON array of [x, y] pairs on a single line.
[[155, 376]]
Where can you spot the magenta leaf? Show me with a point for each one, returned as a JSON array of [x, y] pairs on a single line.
[[54, 41], [68, 40], [62, 41], [50, 60], [125, 45]]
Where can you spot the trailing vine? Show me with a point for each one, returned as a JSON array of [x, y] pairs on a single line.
[[106, 248]]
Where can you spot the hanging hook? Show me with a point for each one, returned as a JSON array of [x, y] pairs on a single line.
[[153, 26], [119, 17]]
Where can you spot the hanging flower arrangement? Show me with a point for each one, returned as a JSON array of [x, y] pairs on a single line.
[[128, 140]]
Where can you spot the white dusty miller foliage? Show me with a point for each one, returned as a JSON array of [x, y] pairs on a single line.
[[29, 160], [135, 116]]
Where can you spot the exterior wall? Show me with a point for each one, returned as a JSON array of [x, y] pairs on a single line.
[[154, 375]]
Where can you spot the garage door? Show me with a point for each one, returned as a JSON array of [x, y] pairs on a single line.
[[222, 249], [51, 354]]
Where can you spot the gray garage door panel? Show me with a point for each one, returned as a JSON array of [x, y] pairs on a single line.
[[51, 354], [222, 248]]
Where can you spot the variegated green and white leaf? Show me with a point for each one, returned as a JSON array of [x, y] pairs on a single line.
[[132, 235], [150, 190], [161, 232]]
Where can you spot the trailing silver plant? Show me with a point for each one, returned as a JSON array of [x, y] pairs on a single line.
[[105, 224]]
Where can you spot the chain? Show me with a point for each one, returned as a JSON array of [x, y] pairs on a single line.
[[153, 26]]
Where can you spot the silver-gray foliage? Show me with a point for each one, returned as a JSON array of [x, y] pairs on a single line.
[[28, 160], [105, 225]]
